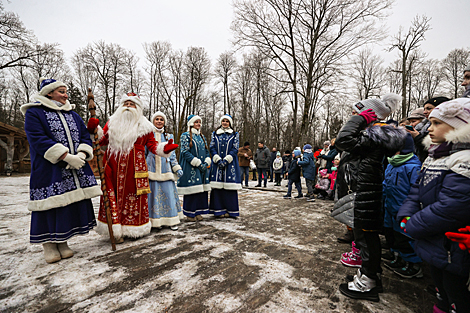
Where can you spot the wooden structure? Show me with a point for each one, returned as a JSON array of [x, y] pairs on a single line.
[[15, 149]]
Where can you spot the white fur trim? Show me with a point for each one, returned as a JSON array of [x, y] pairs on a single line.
[[158, 113], [228, 158], [176, 168], [193, 189], [194, 119], [392, 100], [461, 134], [124, 230], [51, 87], [47, 103], [65, 199], [195, 162], [55, 152], [227, 186], [83, 147], [208, 161], [100, 132], [195, 131], [427, 142], [167, 221], [155, 176], [216, 158], [160, 148], [135, 99], [220, 131]]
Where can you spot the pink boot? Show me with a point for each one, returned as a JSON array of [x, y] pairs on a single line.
[[354, 251], [353, 260], [435, 309]]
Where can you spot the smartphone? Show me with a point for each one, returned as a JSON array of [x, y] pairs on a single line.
[[409, 127]]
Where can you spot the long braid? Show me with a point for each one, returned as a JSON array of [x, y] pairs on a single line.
[[190, 137]]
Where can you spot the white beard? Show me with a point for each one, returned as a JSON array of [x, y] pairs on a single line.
[[123, 130]]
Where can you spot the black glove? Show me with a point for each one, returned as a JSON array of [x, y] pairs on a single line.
[[222, 164]]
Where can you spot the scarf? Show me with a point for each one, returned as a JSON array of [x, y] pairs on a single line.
[[399, 159], [57, 103], [308, 150], [160, 130]]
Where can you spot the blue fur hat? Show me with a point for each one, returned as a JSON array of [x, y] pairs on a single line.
[[297, 153], [193, 118], [49, 85]]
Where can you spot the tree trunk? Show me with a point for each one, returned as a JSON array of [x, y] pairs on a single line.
[[9, 147]]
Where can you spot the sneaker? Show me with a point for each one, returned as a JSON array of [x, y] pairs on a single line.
[[311, 199], [380, 288], [395, 264], [388, 255], [347, 237], [354, 250], [299, 196], [361, 288], [320, 197], [436, 309], [287, 197], [174, 227], [352, 260], [410, 270]]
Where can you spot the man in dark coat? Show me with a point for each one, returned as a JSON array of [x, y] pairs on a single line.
[[262, 159]]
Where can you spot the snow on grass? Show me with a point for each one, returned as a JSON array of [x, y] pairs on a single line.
[[223, 302]]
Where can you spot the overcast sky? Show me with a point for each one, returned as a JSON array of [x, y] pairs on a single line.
[[204, 23]]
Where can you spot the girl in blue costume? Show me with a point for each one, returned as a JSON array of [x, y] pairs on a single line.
[[164, 204], [62, 183], [194, 160], [225, 172]]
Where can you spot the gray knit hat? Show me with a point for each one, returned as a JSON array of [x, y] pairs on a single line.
[[381, 107], [417, 114]]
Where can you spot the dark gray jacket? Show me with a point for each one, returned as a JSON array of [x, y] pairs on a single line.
[[262, 157]]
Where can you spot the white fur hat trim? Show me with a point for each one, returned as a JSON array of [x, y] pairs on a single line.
[[158, 113]]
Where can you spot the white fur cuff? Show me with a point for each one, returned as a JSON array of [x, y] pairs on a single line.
[[160, 148], [176, 168], [229, 158], [88, 150], [208, 161], [195, 162], [216, 158], [55, 152]]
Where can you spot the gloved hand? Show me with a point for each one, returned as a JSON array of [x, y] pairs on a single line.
[[463, 238], [75, 162], [369, 116], [179, 173], [170, 146], [203, 167], [403, 223], [92, 125], [222, 164]]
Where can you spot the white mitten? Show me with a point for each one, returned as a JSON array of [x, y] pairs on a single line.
[[228, 158], [208, 161], [82, 155], [74, 161], [195, 162]]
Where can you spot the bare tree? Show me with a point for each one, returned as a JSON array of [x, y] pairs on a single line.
[[407, 44], [368, 74], [453, 65], [226, 64]]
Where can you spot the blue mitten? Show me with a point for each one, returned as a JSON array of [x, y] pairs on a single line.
[[179, 173], [203, 167]]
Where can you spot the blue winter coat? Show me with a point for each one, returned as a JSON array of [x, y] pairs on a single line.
[[308, 166], [294, 170], [330, 158], [438, 203], [224, 146], [193, 179], [51, 132], [160, 168], [396, 187]]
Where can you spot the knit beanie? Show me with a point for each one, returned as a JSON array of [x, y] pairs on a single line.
[[49, 85], [381, 107], [417, 114], [158, 113], [278, 153], [193, 118], [455, 112], [297, 153], [227, 116], [409, 145], [307, 146], [132, 97], [323, 172], [246, 143], [436, 101]]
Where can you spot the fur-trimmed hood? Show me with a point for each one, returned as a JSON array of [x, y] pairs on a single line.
[[41, 100], [389, 137], [460, 135]]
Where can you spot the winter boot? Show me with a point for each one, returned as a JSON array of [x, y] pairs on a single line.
[[389, 255], [352, 260], [346, 238], [362, 288], [287, 196], [199, 217], [354, 250], [380, 288], [65, 251], [395, 264], [299, 196], [51, 254], [410, 270], [311, 199], [190, 219], [436, 309]]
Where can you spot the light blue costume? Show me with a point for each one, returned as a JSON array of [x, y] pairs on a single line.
[[164, 204], [194, 184], [225, 171]]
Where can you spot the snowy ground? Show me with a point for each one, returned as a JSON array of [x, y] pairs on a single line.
[[279, 256]]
